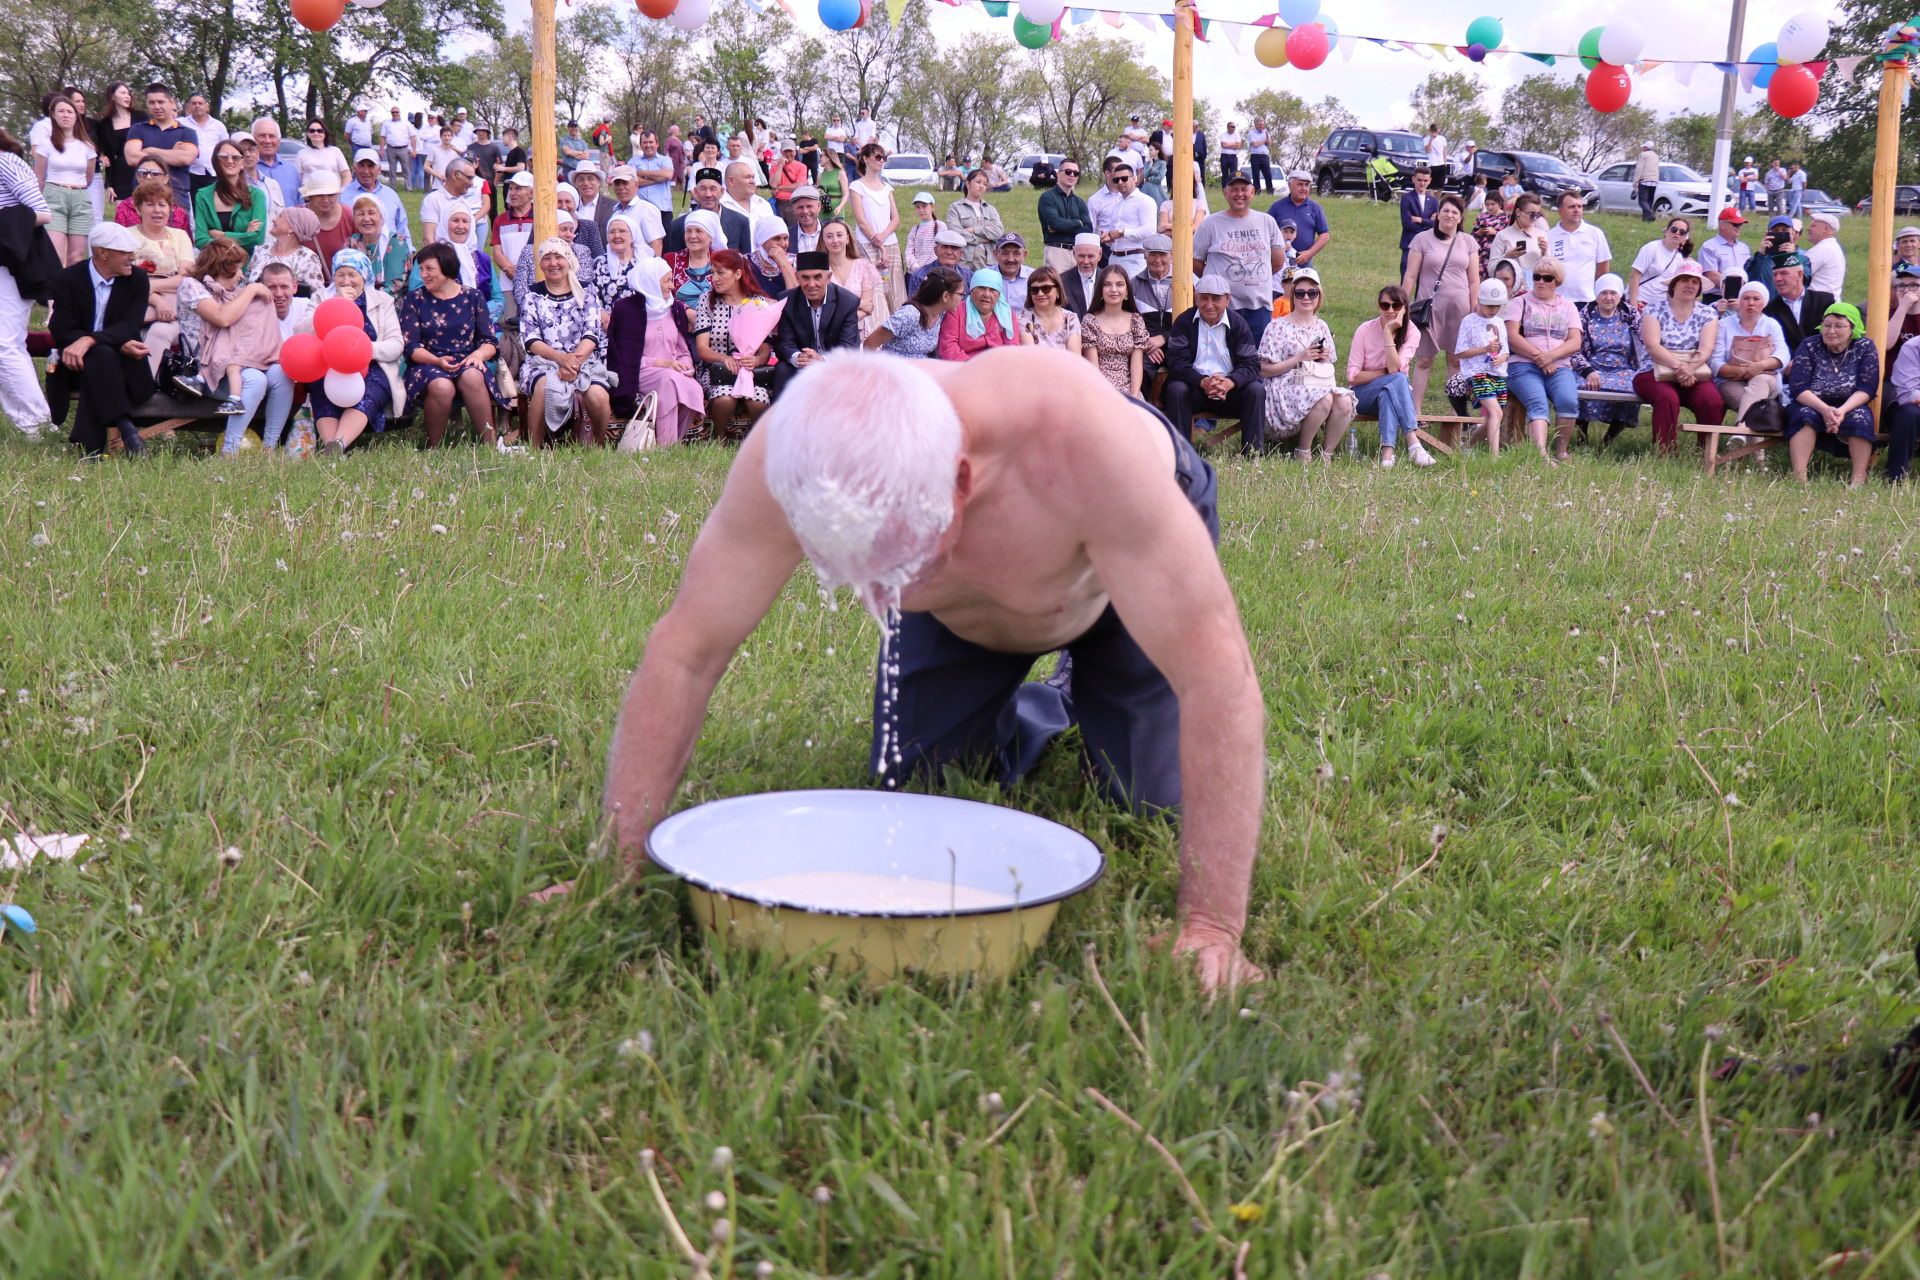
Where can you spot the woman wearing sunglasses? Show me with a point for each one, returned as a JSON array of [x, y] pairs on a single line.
[[1382, 352], [1544, 331], [1656, 262], [1297, 360], [321, 156]]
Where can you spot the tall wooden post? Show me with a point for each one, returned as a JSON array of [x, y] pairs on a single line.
[[1180, 181], [1886, 167], [546, 139]]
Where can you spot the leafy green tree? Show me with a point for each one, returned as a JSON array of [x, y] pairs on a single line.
[[1543, 111], [1295, 127], [401, 43], [873, 65], [1688, 139], [1454, 100], [1084, 86], [1843, 165], [738, 77], [975, 98], [648, 87], [44, 46]]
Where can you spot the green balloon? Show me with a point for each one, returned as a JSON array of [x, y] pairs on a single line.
[[995, 8], [1031, 34], [1486, 31], [1590, 48]]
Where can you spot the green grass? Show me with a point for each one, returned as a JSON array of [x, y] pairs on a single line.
[[357, 1053]]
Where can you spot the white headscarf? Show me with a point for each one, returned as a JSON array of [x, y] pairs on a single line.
[[554, 244], [465, 250], [765, 228], [709, 221], [645, 278], [640, 247]]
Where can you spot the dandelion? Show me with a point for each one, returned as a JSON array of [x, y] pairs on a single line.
[[39, 540], [1246, 1211], [639, 1045], [230, 856], [1858, 552], [436, 528], [722, 1159], [822, 1195], [346, 535], [716, 1201], [993, 1104], [1324, 772], [1599, 1128]]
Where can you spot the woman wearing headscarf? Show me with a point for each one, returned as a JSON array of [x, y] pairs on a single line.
[[476, 265], [338, 426], [1609, 356], [1833, 378], [565, 370], [387, 250], [449, 340], [526, 271], [772, 264], [613, 274], [984, 320], [290, 234], [693, 266], [647, 351]]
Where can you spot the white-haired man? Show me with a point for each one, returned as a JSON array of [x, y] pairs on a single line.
[[1004, 529]]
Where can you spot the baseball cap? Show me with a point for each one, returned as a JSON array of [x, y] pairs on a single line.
[[1212, 283], [1731, 214], [1492, 293], [1012, 237], [1240, 176], [521, 179], [924, 197], [1646, 146], [366, 153], [1779, 220], [1904, 271], [1303, 273]]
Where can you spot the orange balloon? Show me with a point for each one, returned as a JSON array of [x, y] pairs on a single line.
[[318, 15], [658, 8]]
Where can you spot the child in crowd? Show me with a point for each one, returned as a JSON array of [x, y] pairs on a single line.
[[1285, 273], [1482, 352], [920, 235]]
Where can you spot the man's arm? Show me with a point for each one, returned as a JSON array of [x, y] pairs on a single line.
[[131, 291], [847, 332], [1180, 340]]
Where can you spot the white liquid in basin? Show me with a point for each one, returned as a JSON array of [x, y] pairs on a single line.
[[864, 891]]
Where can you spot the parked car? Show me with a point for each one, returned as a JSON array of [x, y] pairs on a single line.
[[910, 169], [1906, 202], [1680, 190], [1023, 171], [1544, 175], [1813, 200], [1341, 162]]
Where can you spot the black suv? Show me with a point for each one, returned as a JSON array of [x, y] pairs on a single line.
[[1544, 175], [1341, 163]]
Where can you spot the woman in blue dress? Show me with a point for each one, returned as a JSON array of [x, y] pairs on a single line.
[[1609, 356], [449, 342], [1834, 377]]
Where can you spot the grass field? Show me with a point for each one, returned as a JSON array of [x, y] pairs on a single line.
[[1666, 726]]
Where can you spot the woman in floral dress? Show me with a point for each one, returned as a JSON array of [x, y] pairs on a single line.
[[1299, 401], [1112, 334], [712, 323], [1046, 321], [1609, 356], [565, 364]]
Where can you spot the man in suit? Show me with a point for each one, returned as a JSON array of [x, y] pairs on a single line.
[[819, 317], [706, 195], [1078, 281], [1796, 307], [595, 207], [1418, 209], [1213, 366], [98, 308]]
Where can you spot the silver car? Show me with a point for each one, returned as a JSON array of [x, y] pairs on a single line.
[[1680, 190]]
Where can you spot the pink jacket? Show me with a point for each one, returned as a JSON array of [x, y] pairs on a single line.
[[956, 344]]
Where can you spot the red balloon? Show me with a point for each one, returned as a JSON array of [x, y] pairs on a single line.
[[318, 15], [1608, 87], [333, 313], [303, 358], [1793, 91], [348, 349], [658, 8], [1307, 46]]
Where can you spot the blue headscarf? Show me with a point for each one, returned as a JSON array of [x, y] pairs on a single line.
[[989, 278], [355, 260]]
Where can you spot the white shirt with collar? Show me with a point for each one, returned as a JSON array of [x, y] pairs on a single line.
[[756, 207], [1212, 356], [359, 131], [1133, 214], [652, 229], [864, 131], [396, 133], [102, 287], [1086, 283], [205, 136], [803, 241], [1829, 267]]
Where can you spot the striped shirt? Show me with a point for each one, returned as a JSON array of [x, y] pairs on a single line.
[[17, 185]]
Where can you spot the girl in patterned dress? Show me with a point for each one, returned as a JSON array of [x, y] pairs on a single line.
[[1112, 334]]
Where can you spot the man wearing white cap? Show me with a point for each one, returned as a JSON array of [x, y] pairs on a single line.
[[1749, 178], [396, 136], [1213, 366], [1646, 179], [462, 130], [366, 182], [1311, 234], [949, 247], [1077, 281], [803, 219], [595, 207], [98, 308], [1823, 251], [1906, 248], [359, 129]]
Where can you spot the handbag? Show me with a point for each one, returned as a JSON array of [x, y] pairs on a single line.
[[1420, 311], [639, 434], [1701, 369], [1316, 375]]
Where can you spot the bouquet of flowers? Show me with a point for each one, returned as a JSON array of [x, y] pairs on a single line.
[[752, 321]]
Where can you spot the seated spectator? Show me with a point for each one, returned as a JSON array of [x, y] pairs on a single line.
[[98, 308], [476, 268], [997, 179], [1213, 366], [1153, 295], [613, 277], [773, 267], [1833, 378], [1677, 336], [927, 224], [150, 171], [366, 182], [854, 272], [338, 426], [587, 240], [322, 157], [984, 321], [229, 208], [164, 253], [1523, 241], [332, 226], [950, 174], [1078, 283], [288, 310], [386, 249], [526, 271], [231, 325], [1011, 254], [449, 342], [459, 191], [736, 232], [250, 170], [692, 266], [1113, 337], [913, 331], [1543, 332], [1797, 308], [1377, 363], [1902, 420], [1750, 359], [819, 317], [1297, 359], [804, 220], [720, 363], [949, 248], [1046, 321], [1609, 356], [1165, 223], [1903, 310], [976, 222], [647, 352], [788, 176], [511, 231], [565, 369], [289, 243]]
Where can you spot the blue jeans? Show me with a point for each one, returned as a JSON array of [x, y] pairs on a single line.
[[253, 388], [419, 172], [1544, 394], [280, 392], [1389, 398]]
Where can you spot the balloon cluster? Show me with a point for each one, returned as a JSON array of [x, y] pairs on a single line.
[[1606, 52], [1792, 87], [1483, 37], [337, 354], [687, 15]]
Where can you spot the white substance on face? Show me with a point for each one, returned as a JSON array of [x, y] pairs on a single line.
[[863, 891]]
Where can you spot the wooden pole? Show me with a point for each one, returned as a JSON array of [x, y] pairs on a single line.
[[546, 139], [1886, 167], [1180, 180]]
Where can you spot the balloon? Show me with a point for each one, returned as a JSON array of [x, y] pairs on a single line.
[[1031, 34], [1802, 37], [1333, 28], [303, 359], [1590, 48], [334, 312], [1486, 31], [1270, 47], [1621, 44], [1042, 13], [840, 15], [1608, 87], [1793, 91], [1298, 13], [994, 8], [343, 390], [1476, 53], [690, 15], [347, 348], [657, 8], [1768, 55], [368, 4], [318, 15], [1307, 46]]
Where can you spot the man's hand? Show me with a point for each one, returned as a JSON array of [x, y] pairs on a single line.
[[74, 354], [134, 349], [804, 357]]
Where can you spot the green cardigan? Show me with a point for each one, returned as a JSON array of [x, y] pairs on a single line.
[[205, 218]]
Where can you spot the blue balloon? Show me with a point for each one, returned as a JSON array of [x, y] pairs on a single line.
[[1768, 53], [840, 15], [1298, 13], [1333, 28]]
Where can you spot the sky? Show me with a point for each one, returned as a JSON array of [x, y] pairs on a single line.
[[1377, 83]]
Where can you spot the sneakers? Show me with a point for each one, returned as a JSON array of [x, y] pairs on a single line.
[[1419, 454], [1387, 459], [230, 406], [193, 386]]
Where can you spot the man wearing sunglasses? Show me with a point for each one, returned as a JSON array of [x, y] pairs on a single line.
[[1063, 215]]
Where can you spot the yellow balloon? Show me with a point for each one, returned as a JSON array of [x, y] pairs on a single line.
[[1271, 47]]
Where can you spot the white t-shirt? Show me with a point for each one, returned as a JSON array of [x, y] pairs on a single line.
[[864, 131], [1579, 251], [42, 130], [1749, 179], [205, 136], [396, 133], [651, 226], [1829, 267], [1655, 263], [1241, 249], [837, 139], [359, 131], [1477, 330], [73, 166], [462, 135], [1437, 149], [439, 204], [320, 160]]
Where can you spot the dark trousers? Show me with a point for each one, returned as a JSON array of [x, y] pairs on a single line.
[[1229, 165], [1261, 166], [1643, 192], [1257, 318], [958, 703], [111, 386], [1901, 425], [1248, 404], [1440, 172], [1667, 398]]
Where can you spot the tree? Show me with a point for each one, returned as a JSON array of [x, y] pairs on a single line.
[[45, 46], [1452, 100], [1084, 87], [804, 83], [869, 66], [580, 39], [1688, 139], [1295, 127], [649, 84], [495, 84], [1543, 111], [401, 43], [1848, 111], [739, 76], [205, 48], [974, 97]]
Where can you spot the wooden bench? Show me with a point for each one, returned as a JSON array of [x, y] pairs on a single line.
[[1757, 441], [1450, 427]]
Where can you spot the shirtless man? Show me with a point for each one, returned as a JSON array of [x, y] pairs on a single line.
[[1067, 517]]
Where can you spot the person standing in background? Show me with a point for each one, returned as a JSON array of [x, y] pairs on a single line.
[[1230, 144], [209, 132], [1418, 208], [396, 144], [1749, 184], [1438, 166], [1797, 191], [358, 129], [1775, 184], [1260, 157], [1646, 180]]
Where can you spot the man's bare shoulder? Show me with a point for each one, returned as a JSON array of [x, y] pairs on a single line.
[[1053, 412]]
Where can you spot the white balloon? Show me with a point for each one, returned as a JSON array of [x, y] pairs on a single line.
[[344, 389], [1802, 37], [1621, 44], [690, 15], [368, 4], [1042, 13]]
